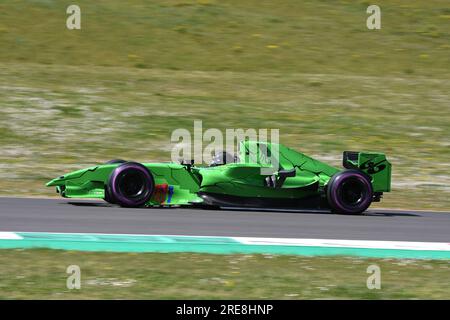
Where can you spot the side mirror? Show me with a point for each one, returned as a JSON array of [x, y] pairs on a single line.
[[283, 175]]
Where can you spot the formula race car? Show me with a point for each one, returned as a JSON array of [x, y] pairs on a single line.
[[244, 180]]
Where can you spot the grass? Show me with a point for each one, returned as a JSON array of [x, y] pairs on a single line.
[[312, 36], [136, 71], [205, 276]]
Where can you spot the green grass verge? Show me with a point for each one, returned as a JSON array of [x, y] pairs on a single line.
[[41, 274], [138, 70]]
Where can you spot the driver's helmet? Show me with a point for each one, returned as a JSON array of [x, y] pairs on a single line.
[[221, 158]]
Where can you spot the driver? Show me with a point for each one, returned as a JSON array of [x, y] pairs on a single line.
[[221, 158]]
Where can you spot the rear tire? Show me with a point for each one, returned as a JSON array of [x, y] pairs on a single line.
[[350, 192], [130, 185]]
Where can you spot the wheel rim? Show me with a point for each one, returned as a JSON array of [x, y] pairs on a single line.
[[352, 192], [132, 184]]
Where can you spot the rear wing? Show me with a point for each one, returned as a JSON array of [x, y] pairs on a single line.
[[374, 164]]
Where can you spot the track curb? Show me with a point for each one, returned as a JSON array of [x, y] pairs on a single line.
[[224, 245]]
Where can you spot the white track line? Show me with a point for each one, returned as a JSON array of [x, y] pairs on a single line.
[[367, 244], [9, 236]]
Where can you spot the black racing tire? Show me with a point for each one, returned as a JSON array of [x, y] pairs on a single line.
[[115, 161], [108, 197], [130, 185], [350, 192]]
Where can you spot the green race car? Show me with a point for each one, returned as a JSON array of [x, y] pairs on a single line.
[[248, 179]]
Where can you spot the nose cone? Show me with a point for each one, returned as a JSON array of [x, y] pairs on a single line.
[[56, 182], [60, 181]]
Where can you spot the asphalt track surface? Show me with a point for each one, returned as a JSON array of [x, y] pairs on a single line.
[[63, 215]]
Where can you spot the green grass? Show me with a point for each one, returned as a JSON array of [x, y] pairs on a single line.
[[321, 36], [139, 69], [41, 274]]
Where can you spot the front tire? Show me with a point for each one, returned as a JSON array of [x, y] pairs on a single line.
[[130, 185], [108, 197], [350, 192]]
